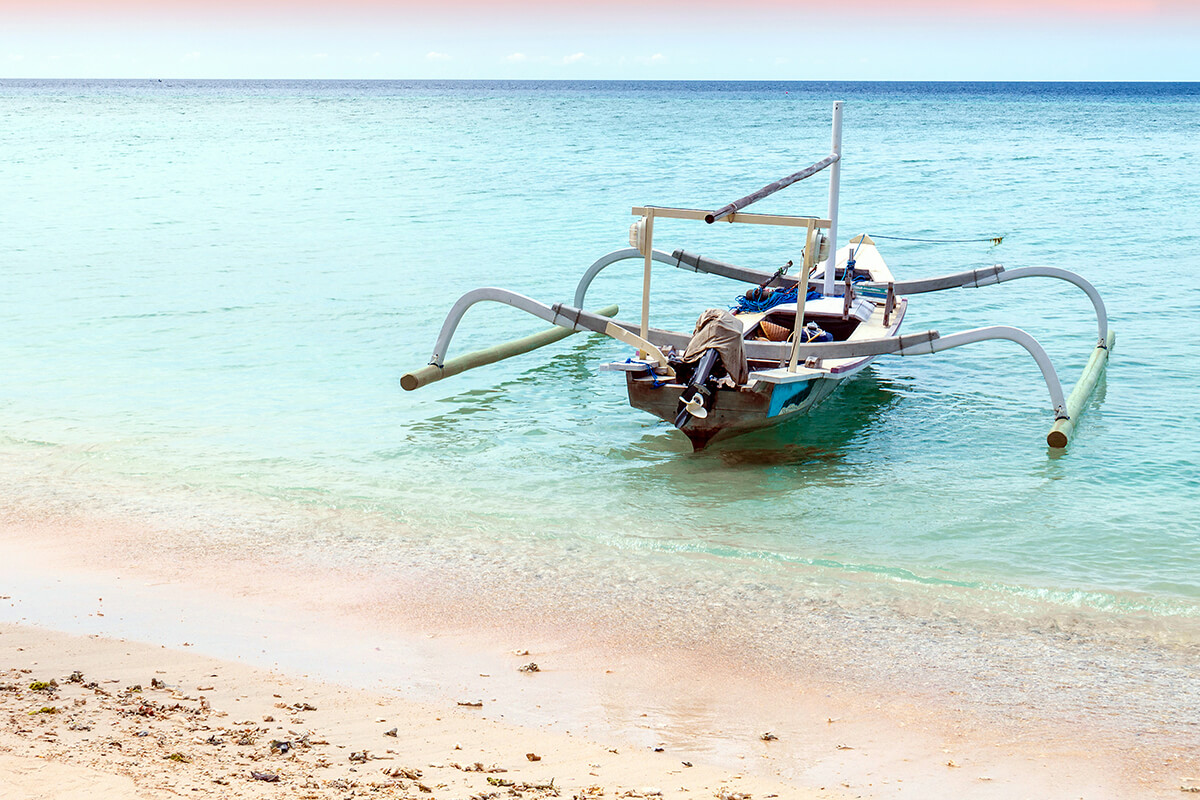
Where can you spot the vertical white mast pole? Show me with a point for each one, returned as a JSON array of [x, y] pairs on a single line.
[[835, 174]]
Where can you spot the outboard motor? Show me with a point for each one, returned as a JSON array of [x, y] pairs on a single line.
[[715, 350], [696, 398]]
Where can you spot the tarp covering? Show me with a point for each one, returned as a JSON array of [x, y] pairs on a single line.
[[717, 329]]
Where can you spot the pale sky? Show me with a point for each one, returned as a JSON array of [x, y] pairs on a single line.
[[612, 39]]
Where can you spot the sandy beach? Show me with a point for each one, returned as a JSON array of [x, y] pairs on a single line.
[[97, 717], [175, 671]]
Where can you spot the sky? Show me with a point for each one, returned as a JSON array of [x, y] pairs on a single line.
[[604, 39]]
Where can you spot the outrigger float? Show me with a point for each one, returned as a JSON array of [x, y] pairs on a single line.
[[791, 340]]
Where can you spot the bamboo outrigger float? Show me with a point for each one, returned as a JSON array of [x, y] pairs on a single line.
[[790, 341]]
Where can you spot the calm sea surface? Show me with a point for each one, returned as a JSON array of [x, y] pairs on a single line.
[[211, 290]]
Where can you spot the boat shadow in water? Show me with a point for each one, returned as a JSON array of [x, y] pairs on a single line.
[[823, 436]]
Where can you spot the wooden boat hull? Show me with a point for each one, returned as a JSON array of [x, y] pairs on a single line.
[[735, 411]]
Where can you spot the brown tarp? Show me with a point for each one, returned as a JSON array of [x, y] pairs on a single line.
[[717, 329]]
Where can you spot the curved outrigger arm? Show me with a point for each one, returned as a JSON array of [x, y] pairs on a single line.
[[989, 276], [603, 261], [560, 314], [565, 317], [1017, 335]]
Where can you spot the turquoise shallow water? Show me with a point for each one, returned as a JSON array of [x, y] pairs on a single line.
[[212, 289]]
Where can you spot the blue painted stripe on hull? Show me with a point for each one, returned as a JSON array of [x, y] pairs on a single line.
[[789, 394]]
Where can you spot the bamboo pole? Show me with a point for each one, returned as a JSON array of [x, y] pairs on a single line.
[[1064, 429], [431, 373], [770, 189]]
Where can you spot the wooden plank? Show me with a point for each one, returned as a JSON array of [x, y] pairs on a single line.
[[646, 278], [802, 298]]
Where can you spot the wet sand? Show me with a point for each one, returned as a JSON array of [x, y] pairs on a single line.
[[409, 649]]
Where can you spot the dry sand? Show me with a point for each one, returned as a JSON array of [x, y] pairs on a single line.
[[103, 718]]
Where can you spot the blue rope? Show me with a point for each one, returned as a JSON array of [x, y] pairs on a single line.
[[760, 302], [649, 371]]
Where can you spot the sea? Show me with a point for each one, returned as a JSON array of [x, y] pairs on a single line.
[[211, 289]]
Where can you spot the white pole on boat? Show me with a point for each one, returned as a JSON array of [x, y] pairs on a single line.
[[835, 174]]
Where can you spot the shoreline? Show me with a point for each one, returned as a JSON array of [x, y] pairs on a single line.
[[425, 640]]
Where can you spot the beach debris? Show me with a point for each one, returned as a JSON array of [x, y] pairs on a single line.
[[155, 683], [533, 757], [592, 791], [44, 686], [402, 772], [359, 757], [471, 703], [768, 737], [178, 758], [281, 746], [686, 763], [659, 749], [75, 677], [1191, 789], [477, 767], [530, 667], [268, 718], [269, 777], [206, 688], [424, 788], [394, 732], [44, 710], [520, 652], [499, 781], [951, 764], [726, 793]]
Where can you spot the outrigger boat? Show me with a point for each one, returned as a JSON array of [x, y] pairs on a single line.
[[790, 341]]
